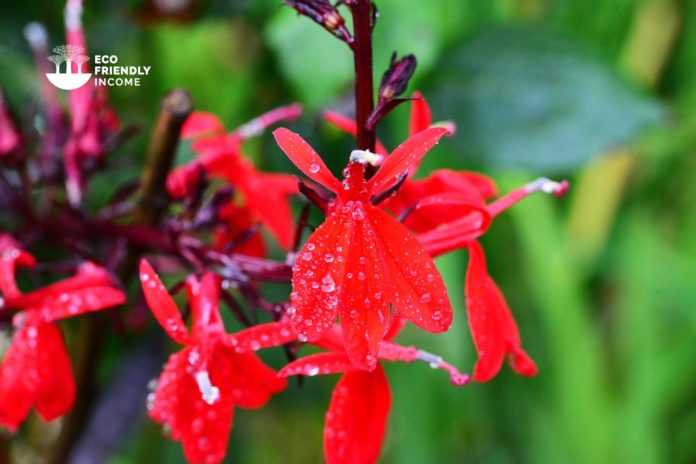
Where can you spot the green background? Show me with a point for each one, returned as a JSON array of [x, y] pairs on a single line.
[[601, 92]]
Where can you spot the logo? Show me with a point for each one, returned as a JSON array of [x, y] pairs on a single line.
[[107, 71], [72, 78]]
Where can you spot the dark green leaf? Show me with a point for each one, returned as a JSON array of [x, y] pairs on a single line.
[[527, 97]]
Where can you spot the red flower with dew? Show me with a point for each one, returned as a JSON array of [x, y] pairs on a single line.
[[361, 260], [449, 210], [36, 369], [201, 384], [357, 416], [220, 155]]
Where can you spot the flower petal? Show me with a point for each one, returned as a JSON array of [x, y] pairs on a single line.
[[321, 363], [404, 157], [357, 418], [492, 326], [421, 117], [262, 336], [252, 383], [200, 124], [202, 426], [162, 305], [267, 196], [36, 370], [80, 301], [364, 301], [318, 275], [11, 254], [349, 126], [305, 158], [204, 296], [415, 285]]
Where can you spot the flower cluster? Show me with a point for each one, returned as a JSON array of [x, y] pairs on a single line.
[[362, 274]]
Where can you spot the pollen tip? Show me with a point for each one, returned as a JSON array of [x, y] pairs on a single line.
[[366, 157]]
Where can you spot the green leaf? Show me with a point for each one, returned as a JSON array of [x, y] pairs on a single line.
[[527, 97]]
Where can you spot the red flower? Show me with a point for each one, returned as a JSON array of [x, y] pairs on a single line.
[[201, 384], [36, 370], [361, 260], [357, 417], [492, 326], [448, 210], [220, 155], [91, 119]]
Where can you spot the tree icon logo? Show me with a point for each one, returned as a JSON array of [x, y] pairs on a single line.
[[73, 77]]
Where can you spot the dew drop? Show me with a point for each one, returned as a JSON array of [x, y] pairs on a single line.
[[327, 284], [314, 168]]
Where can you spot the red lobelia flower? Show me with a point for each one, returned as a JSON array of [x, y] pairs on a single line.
[[449, 210], [361, 259], [220, 155], [36, 369], [201, 384], [493, 328], [357, 416]]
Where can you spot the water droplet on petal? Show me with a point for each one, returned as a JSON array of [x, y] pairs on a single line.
[[314, 168], [327, 284]]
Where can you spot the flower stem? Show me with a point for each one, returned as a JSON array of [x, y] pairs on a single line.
[[364, 86]]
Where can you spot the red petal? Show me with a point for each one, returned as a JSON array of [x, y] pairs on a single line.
[[80, 301], [357, 418], [492, 325], [162, 305], [36, 370], [262, 336], [415, 285], [404, 157], [396, 325], [305, 158], [235, 224], [267, 196], [364, 301], [318, 275], [421, 118], [252, 383], [348, 125], [316, 364], [204, 296], [200, 124], [202, 428], [11, 254]]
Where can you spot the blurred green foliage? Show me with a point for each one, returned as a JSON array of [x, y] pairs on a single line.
[[601, 284]]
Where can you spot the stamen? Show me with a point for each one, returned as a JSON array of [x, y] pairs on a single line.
[[366, 157], [541, 184], [436, 362], [209, 392]]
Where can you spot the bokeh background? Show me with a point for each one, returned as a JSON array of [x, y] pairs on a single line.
[[602, 92]]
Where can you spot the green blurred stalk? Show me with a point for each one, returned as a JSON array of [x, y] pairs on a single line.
[[597, 195], [578, 404]]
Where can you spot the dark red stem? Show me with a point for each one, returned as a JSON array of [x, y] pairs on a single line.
[[364, 86]]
